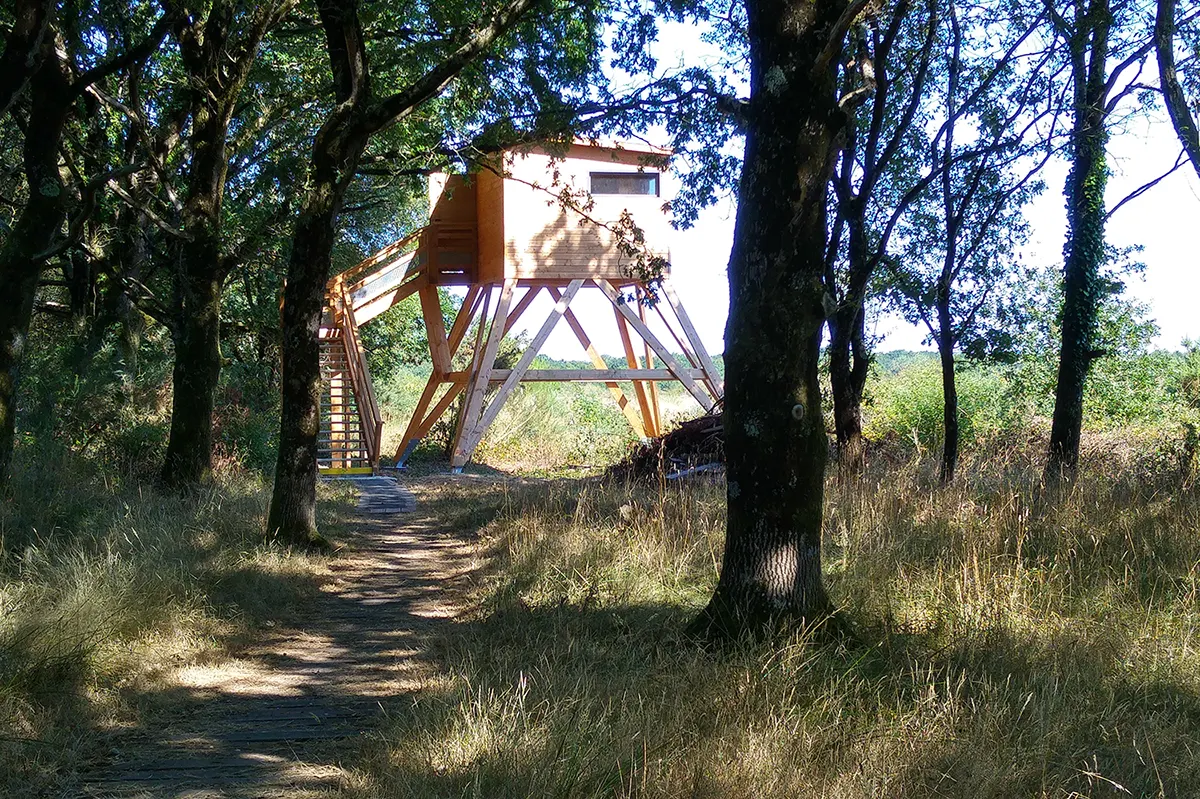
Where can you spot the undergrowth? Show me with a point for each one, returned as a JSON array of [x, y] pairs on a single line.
[[106, 586], [1007, 643]]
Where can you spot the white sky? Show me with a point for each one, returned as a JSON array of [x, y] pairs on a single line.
[[1162, 221]]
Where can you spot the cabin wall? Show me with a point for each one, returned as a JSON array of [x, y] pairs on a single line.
[[449, 247], [542, 240], [489, 204], [451, 198]]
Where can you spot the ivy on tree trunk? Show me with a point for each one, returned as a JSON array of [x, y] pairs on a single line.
[[1084, 286]]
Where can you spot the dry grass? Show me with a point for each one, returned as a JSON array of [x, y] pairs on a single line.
[[106, 590], [1007, 645]]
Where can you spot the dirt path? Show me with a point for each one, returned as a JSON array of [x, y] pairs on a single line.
[[278, 720]]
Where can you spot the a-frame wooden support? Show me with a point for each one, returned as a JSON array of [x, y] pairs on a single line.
[[480, 407], [469, 426]]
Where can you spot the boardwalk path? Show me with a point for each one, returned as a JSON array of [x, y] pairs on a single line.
[[277, 721]]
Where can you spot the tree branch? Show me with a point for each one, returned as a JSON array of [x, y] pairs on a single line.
[[158, 221], [139, 52], [837, 35], [87, 206], [399, 105], [1180, 161], [1176, 101]]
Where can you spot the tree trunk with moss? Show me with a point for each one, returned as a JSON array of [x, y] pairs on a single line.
[[198, 283], [217, 68], [1084, 286], [293, 512], [775, 445]]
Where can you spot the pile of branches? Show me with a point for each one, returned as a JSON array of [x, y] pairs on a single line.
[[695, 445]]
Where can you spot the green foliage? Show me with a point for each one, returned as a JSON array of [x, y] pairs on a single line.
[[907, 404], [1187, 382], [78, 394], [1130, 389], [397, 338], [550, 426]]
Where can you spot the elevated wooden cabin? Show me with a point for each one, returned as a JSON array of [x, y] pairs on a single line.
[[502, 230], [521, 230]]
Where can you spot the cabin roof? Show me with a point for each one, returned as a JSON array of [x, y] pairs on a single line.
[[597, 145], [631, 146]]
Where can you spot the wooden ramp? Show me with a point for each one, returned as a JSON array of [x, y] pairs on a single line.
[[281, 719]]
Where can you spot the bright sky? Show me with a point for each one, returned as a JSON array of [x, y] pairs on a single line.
[[1161, 221]]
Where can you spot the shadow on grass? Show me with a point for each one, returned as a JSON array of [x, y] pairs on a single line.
[[575, 702], [111, 588], [572, 692], [288, 710]]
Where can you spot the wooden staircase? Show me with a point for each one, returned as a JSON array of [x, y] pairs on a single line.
[[342, 446], [351, 430]]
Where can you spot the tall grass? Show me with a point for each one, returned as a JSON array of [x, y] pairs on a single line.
[[105, 587], [1007, 643], [546, 428]]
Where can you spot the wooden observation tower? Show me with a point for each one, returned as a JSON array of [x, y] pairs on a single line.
[[505, 238]]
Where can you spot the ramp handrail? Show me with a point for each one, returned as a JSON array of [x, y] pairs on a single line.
[[359, 270]]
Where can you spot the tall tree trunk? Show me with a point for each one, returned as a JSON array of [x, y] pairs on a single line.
[[293, 513], [949, 387], [218, 69], [849, 360], [24, 48], [33, 233], [198, 284], [776, 446], [1086, 214], [196, 373], [338, 145], [132, 257]]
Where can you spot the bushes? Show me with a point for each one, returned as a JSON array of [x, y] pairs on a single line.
[[908, 405], [541, 426], [553, 425], [1148, 392]]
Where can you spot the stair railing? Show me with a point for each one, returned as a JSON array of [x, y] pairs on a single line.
[[364, 270], [360, 376]]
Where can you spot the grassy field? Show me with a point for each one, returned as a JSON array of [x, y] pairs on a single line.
[[544, 428], [1005, 644], [108, 587]]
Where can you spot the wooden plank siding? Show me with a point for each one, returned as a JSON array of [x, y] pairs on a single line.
[[520, 229], [489, 218], [544, 240]]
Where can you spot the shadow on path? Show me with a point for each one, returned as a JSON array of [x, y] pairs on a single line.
[[278, 719]]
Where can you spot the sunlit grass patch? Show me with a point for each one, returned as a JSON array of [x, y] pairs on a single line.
[[1008, 642], [107, 588]]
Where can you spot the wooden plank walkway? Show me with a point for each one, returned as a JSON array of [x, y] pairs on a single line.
[[278, 720]]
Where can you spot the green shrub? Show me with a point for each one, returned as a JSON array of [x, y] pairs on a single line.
[[908, 404]]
